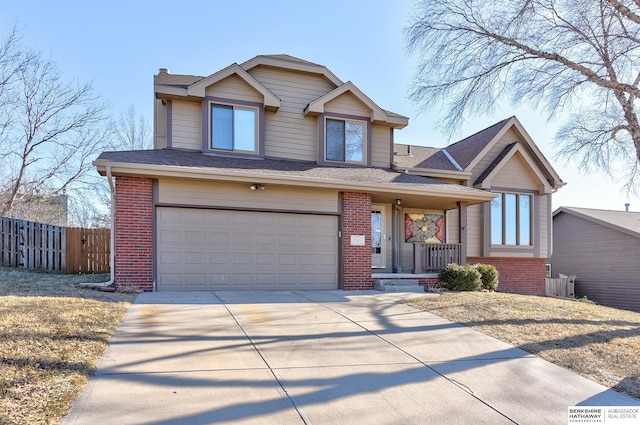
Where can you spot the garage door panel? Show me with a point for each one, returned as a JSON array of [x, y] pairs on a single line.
[[242, 259], [265, 259], [170, 258], [219, 259], [195, 280], [211, 249], [195, 238], [195, 258]]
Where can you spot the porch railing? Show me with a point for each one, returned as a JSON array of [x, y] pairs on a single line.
[[433, 257]]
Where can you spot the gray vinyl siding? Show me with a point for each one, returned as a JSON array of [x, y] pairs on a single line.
[[234, 87], [160, 124], [238, 195], [348, 104], [453, 227], [288, 133], [474, 230], [605, 261], [516, 174], [484, 163], [186, 127], [380, 146], [543, 231]]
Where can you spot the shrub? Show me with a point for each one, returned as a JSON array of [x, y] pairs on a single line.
[[460, 278], [488, 276]]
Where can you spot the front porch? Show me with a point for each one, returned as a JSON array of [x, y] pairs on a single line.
[[428, 260]]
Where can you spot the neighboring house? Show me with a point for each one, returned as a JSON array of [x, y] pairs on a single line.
[[602, 248], [276, 174], [48, 209]]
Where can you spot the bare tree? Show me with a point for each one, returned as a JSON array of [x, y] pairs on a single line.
[[52, 129], [578, 58], [132, 131]]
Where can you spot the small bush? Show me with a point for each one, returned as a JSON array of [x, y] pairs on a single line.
[[584, 299], [488, 276], [460, 278]]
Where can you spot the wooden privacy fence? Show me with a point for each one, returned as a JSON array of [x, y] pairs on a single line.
[[44, 247]]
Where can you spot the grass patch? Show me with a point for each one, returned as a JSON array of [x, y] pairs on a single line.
[[597, 342], [52, 334]]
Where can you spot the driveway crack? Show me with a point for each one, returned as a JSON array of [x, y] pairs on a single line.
[[265, 360]]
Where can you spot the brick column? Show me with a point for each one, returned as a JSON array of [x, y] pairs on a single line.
[[356, 260], [517, 275], [134, 232]]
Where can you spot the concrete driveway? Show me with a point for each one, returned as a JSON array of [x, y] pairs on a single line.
[[318, 357]]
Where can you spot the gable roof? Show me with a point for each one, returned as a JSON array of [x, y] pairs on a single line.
[[291, 62], [484, 180], [194, 86], [624, 221], [468, 152], [271, 101], [469, 148], [378, 114]]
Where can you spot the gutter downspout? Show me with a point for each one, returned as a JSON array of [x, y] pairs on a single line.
[[112, 256]]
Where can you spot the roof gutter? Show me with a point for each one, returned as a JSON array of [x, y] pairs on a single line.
[[112, 254], [265, 178], [434, 173]]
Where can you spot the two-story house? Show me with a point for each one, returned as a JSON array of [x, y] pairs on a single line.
[[276, 174]]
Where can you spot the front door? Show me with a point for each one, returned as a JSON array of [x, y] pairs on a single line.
[[378, 237]]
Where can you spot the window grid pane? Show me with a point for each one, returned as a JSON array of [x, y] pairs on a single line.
[[244, 128], [222, 127], [335, 140], [525, 219], [355, 141], [496, 221], [510, 219]]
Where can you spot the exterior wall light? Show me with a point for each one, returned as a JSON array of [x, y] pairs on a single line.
[[398, 202], [256, 186]]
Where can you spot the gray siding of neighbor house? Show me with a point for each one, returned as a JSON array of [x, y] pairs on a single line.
[[606, 261]]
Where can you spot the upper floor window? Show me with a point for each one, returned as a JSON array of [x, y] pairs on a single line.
[[234, 128], [511, 219], [345, 140]]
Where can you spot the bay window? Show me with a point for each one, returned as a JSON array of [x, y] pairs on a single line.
[[511, 219]]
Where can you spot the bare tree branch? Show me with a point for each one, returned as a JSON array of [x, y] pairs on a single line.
[[50, 130], [556, 55]]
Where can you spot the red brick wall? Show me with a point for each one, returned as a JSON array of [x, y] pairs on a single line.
[[134, 232], [356, 260], [517, 275]]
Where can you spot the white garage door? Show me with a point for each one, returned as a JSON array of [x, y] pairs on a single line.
[[200, 249]]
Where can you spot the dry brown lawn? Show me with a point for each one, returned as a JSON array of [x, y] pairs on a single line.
[[597, 342], [52, 333]]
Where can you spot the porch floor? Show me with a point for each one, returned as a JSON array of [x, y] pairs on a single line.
[[404, 275]]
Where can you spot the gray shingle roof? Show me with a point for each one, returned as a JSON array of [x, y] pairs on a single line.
[[626, 220], [277, 167], [463, 151], [179, 80], [421, 157], [467, 149]]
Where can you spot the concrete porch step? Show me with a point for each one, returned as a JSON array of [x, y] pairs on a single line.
[[398, 285]]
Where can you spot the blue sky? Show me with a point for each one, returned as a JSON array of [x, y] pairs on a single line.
[[120, 45]]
